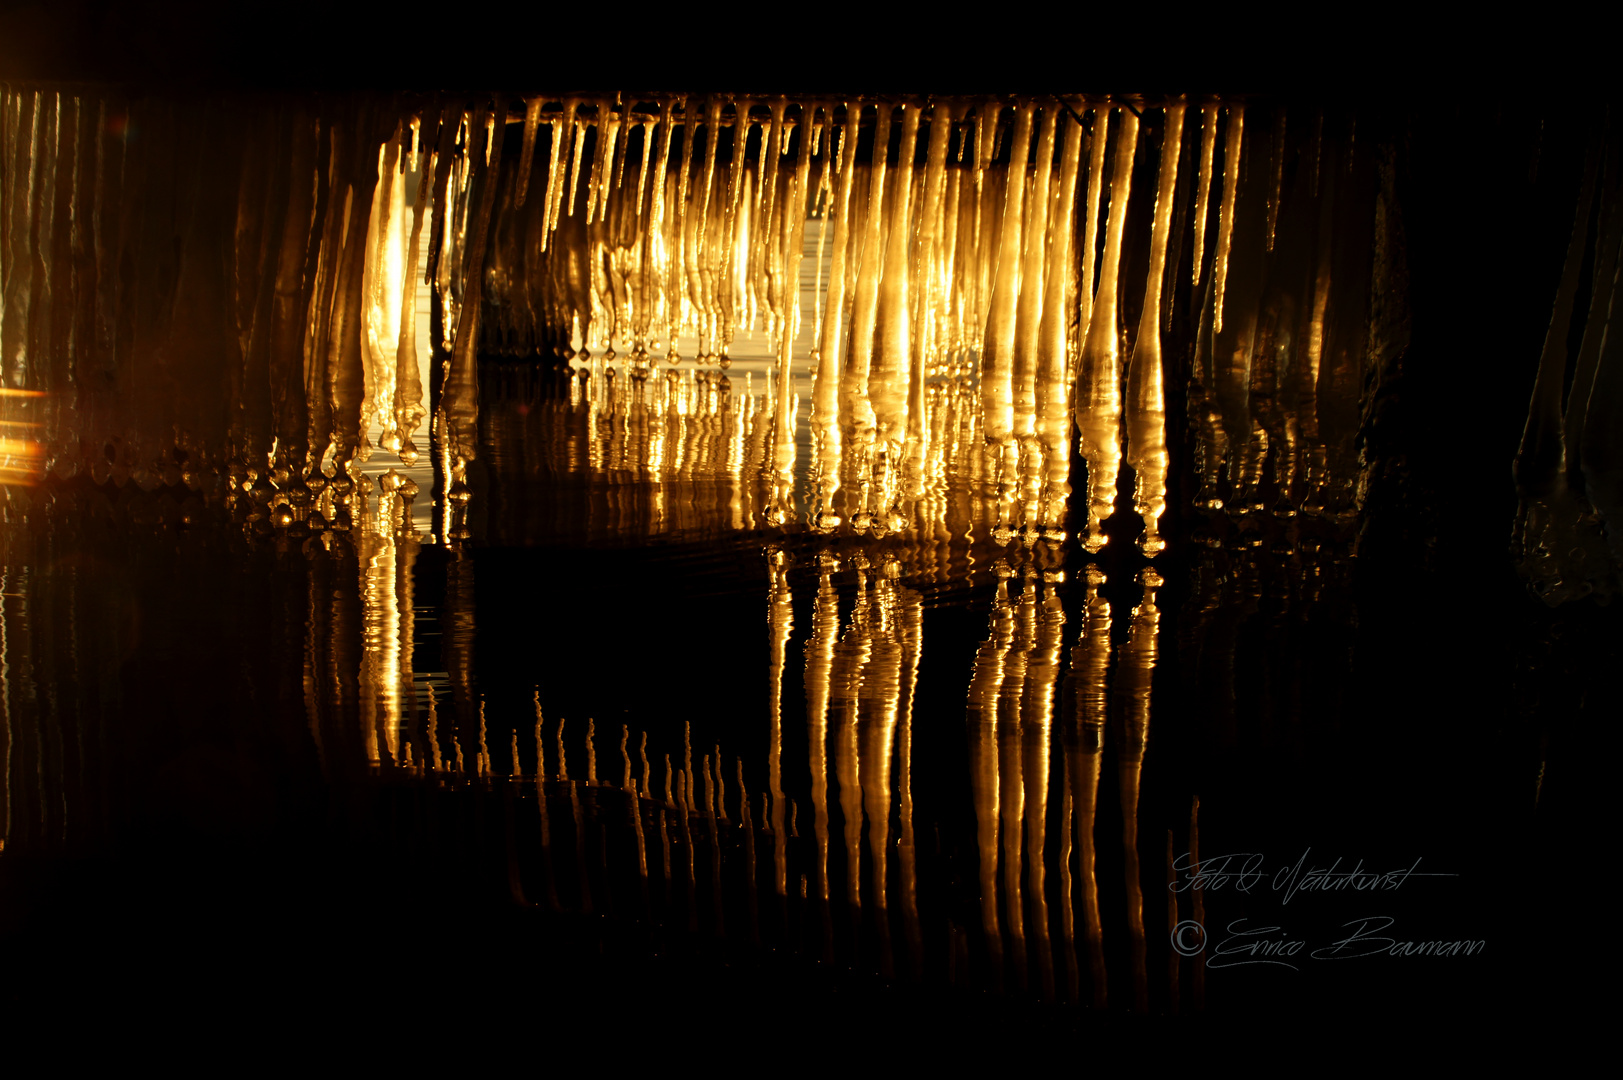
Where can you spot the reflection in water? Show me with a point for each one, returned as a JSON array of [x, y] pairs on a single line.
[[569, 808], [1135, 666]]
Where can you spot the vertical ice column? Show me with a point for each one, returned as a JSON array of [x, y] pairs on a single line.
[[1098, 394], [890, 378], [997, 359], [831, 343], [1053, 354], [1146, 399]]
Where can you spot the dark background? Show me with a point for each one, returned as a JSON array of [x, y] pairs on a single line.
[[303, 44]]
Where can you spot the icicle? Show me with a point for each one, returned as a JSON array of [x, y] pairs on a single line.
[[21, 177], [1099, 395], [623, 147], [324, 255], [1029, 310], [290, 300], [676, 290], [443, 155], [1203, 186], [597, 167], [997, 362], [1053, 362], [788, 406], [1146, 403], [820, 203], [655, 252], [767, 167], [712, 133], [930, 298], [577, 129], [831, 346], [865, 307], [986, 122], [989, 210], [409, 411], [562, 126], [684, 163], [1276, 180], [532, 120], [382, 306], [736, 170], [951, 299], [608, 133], [1090, 226], [642, 165], [460, 398], [1225, 215], [888, 382]]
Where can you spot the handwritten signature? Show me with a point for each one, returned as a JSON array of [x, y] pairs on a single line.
[[1247, 870], [1272, 945]]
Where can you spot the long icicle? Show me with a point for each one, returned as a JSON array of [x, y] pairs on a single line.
[[1203, 185], [1225, 215], [864, 314], [1099, 395], [532, 120], [1090, 225], [1053, 360], [1146, 399], [562, 126], [997, 360]]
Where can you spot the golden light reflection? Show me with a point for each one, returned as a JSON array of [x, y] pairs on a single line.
[[575, 808]]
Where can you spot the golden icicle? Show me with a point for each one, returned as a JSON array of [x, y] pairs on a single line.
[[1203, 183], [1029, 310], [858, 410], [561, 127], [1053, 358], [1225, 214], [532, 120], [1146, 400], [1090, 225], [1099, 392], [888, 380]]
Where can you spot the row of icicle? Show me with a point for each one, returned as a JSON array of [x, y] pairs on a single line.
[[935, 265], [229, 287]]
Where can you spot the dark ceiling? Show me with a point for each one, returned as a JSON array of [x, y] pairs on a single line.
[[813, 48]]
